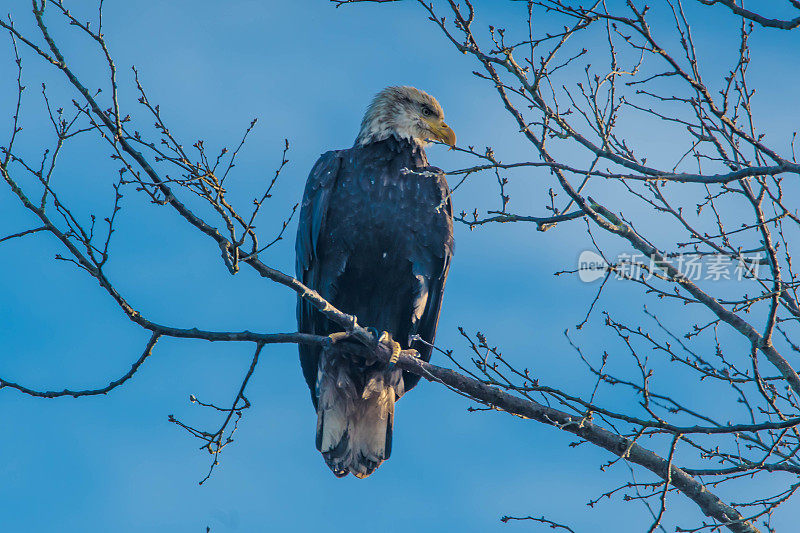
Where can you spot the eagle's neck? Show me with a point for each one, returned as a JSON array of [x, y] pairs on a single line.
[[409, 154], [382, 135], [382, 121]]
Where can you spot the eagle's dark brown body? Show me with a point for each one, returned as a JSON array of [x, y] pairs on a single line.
[[375, 239]]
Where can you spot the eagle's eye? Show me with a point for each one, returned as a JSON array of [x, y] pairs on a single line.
[[426, 111]]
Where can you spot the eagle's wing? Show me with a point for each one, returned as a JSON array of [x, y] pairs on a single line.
[[313, 214], [434, 283]]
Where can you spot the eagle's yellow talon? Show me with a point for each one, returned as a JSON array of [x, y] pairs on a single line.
[[338, 336], [393, 345], [396, 349]]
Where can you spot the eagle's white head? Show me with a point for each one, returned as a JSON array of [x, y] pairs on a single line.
[[406, 113]]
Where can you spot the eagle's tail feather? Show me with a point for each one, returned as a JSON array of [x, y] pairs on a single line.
[[354, 427]]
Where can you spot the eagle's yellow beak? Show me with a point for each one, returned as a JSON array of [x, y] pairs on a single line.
[[442, 132]]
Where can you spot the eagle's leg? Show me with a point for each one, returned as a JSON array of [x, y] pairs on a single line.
[[344, 335], [393, 345], [380, 338], [386, 338]]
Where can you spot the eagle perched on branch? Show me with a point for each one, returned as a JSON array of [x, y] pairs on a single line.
[[375, 239]]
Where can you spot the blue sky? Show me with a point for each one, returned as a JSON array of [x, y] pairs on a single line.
[[307, 71]]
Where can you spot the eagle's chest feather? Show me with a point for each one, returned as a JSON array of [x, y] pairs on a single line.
[[388, 215]]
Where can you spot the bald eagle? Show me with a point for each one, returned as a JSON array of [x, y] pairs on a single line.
[[375, 239]]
